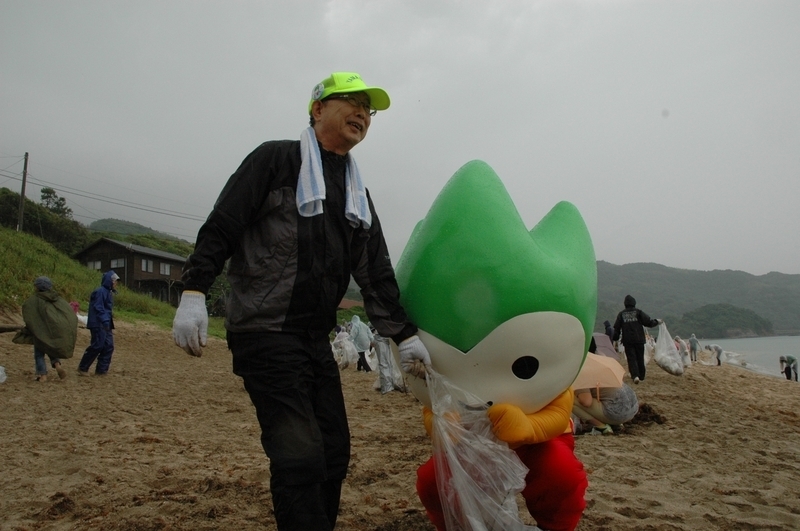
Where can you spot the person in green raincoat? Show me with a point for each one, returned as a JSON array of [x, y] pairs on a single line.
[[50, 325]]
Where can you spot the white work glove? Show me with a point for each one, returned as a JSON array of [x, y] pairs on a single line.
[[414, 357], [660, 321], [190, 326]]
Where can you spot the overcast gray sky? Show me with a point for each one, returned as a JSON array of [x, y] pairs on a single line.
[[673, 126]]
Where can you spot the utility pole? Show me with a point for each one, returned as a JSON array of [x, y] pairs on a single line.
[[22, 194]]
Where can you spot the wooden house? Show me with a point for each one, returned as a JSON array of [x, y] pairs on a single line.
[[141, 269]]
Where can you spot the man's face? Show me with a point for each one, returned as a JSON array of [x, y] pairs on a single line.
[[342, 121]]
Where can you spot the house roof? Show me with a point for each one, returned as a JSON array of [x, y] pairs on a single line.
[[137, 249]]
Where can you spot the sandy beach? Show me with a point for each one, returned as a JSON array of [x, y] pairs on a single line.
[[170, 442]]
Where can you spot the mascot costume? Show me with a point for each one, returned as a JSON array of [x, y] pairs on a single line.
[[507, 315]]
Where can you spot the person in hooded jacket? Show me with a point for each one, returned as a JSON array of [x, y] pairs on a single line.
[[717, 351], [609, 330], [630, 325], [363, 339], [50, 325], [100, 323], [694, 347]]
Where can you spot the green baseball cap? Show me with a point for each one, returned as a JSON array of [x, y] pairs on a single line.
[[344, 82]]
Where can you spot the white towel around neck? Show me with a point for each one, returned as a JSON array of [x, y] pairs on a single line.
[[311, 184]]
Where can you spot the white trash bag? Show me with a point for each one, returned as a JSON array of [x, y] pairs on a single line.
[[389, 376], [666, 355], [478, 476], [344, 350], [684, 352], [372, 359]]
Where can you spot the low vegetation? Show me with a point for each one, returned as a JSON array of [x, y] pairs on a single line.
[[24, 257]]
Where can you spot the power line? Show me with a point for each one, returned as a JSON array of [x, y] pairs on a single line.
[[93, 213], [105, 199], [99, 197], [113, 200], [99, 181], [7, 167]]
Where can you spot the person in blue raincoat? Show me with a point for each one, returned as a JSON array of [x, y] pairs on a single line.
[[101, 324]]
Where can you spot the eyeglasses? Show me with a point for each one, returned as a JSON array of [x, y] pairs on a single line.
[[355, 102]]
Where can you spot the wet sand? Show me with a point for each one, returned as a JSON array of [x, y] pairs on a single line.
[[170, 442]]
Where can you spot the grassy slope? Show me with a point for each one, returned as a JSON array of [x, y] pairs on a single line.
[[24, 257]]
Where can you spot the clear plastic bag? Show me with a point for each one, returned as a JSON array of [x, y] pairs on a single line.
[[666, 355], [478, 476]]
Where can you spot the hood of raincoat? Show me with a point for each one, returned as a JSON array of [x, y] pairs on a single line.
[[108, 279]]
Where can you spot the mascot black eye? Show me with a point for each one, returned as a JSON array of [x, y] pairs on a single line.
[[525, 367]]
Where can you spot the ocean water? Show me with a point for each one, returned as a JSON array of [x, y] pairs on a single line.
[[758, 354]]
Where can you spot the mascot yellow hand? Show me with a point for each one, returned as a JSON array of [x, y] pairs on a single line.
[[427, 418], [511, 425]]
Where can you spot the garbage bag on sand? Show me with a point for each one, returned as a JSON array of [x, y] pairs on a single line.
[[389, 376], [344, 350], [666, 355], [371, 358], [649, 349], [478, 476], [623, 407]]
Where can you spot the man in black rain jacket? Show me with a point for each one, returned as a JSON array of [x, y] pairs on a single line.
[[630, 324]]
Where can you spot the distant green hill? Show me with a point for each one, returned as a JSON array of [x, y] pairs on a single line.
[[719, 320], [663, 291], [118, 226]]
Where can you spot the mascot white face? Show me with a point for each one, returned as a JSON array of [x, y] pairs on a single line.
[[505, 313]]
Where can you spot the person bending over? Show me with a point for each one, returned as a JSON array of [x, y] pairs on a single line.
[[716, 350], [789, 367], [605, 407]]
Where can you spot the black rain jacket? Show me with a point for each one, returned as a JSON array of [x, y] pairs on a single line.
[[288, 273], [630, 323]]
